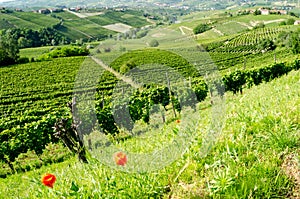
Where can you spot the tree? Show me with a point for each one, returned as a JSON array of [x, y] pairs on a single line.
[[266, 45], [294, 42], [257, 12], [201, 28], [290, 21], [153, 43], [291, 40], [9, 48]]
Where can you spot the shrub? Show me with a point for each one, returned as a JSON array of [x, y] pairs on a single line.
[[153, 43], [201, 28], [290, 21]]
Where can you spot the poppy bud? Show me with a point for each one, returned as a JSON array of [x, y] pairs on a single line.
[[120, 158]]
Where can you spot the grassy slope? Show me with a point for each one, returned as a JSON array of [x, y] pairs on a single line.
[[73, 27], [29, 20], [261, 130], [225, 26]]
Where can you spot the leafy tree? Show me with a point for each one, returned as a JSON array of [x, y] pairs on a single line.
[[153, 43], [9, 48], [294, 42], [257, 12], [201, 28], [291, 40], [290, 21], [267, 44]]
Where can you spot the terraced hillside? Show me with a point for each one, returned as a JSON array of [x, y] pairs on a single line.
[[75, 25]]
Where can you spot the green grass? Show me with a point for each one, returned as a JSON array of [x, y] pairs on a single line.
[[261, 130], [249, 18], [34, 52], [231, 27]]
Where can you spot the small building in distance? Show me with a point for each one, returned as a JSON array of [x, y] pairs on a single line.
[[52, 10], [264, 11]]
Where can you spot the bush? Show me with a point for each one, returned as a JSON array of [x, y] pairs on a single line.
[[153, 43], [23, 60], [201, 28], [259, 25], [290, 21], [67, 51], [266, 45]]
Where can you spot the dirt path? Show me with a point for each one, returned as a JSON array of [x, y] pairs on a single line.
[[81, 15], [254, 23], [115, 73], [218, 31], [184, 27], [244, 24]]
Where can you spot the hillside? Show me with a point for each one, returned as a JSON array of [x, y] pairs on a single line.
[[152, 109], [84, 25], [256, 155]]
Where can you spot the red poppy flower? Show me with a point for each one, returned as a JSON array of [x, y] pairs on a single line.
[[120, 158], [48, 180]]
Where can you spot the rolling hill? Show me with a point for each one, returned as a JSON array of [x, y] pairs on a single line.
[[75, 25]]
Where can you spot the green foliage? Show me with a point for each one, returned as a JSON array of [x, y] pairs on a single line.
[[266, 45], [201, 28], [66, 51], [155, 56], [294, 42], [26, 37], [290, 40], [9, 51], [30, 103], [260, 136], [257, 12], [290, 21], [237, 80], [153, 43], [249, 41], [259, 25]]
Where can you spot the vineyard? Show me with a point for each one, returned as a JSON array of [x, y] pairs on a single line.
[[137, 94], [29, 20], [249, 41], [33, 96], [28, 97], [260, 125], [72, 26]]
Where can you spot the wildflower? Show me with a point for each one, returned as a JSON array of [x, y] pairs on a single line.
[[120, 158], [177, 121], [48, 180]]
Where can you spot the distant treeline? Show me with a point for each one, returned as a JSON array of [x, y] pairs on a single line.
[[27, 38]]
